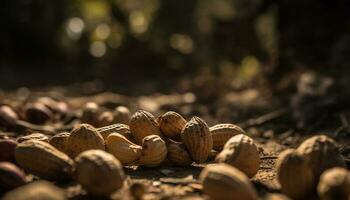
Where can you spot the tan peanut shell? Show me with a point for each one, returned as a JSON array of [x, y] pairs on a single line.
[[124, 150], [334, 184], [178, 155], [60, 141], [122, 129], [321, 153], [90, 113], [82, 138], [224, 182], [43, 160], [197, 139], [122, 115], [241, 152], [294, 175], [142, 124], [221, 133], [33, 136], [106, 118], [37, 190], [99, 172], [154, 151], [11, 176], [171, 124]]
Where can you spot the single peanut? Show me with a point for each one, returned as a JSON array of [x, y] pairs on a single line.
[[197, 139], [99, 172], [84, 137], [124, 150], [221, 133], [240, 151], [142, 124], [43, 160], [224, 182], [154, 151]]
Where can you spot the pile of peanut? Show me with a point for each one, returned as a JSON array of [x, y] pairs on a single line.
[[94, 152]]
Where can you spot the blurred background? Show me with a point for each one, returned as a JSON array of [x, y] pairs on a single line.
[[143, 46]]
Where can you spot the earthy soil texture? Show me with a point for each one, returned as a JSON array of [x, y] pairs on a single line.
[[274, 123]]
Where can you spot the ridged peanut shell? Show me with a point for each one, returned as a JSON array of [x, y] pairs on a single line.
[[321, 153], [294, 175], [178, 155], [11, 176], [82, 138], [197, 139], [99, 172], [122, 115], [221, 133], [43, 160], [38, 190], [224, 182], [154, 151], [143, 124], [33, 136], [60, 141], [241, 152], [122, 129], [171, 124], [334, 184], [123, 149]]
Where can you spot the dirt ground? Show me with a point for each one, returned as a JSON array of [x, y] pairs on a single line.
[[269, 120]]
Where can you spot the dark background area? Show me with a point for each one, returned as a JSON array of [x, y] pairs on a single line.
[[129, 44]]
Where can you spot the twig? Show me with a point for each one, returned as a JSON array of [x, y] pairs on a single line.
[[49, 130], [265, 118], [268, 157]]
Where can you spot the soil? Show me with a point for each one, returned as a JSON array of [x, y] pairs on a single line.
[[269, 120]]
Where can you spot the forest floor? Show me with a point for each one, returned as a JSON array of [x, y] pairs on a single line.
[[273, 122]]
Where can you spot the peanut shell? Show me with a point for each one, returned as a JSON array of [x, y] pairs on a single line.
[[106, 118], [154, 151], [221, 133], [38, 190], [321, 153], [294, 175], [11, 176], [224, 182], [142, 124], [90, 113], [197, 139], [82, 138], [99, 172], [43, 160], [334, 184], [124, 150], [60, 141], [122, 115], [171, 125], [8, 117], [33, 136], [241, 152], [122, 129], [37, 113], [7, 150], [178, 155]]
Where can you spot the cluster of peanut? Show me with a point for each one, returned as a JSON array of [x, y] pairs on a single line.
[[37, 111], [95, 156], [315, 166]]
